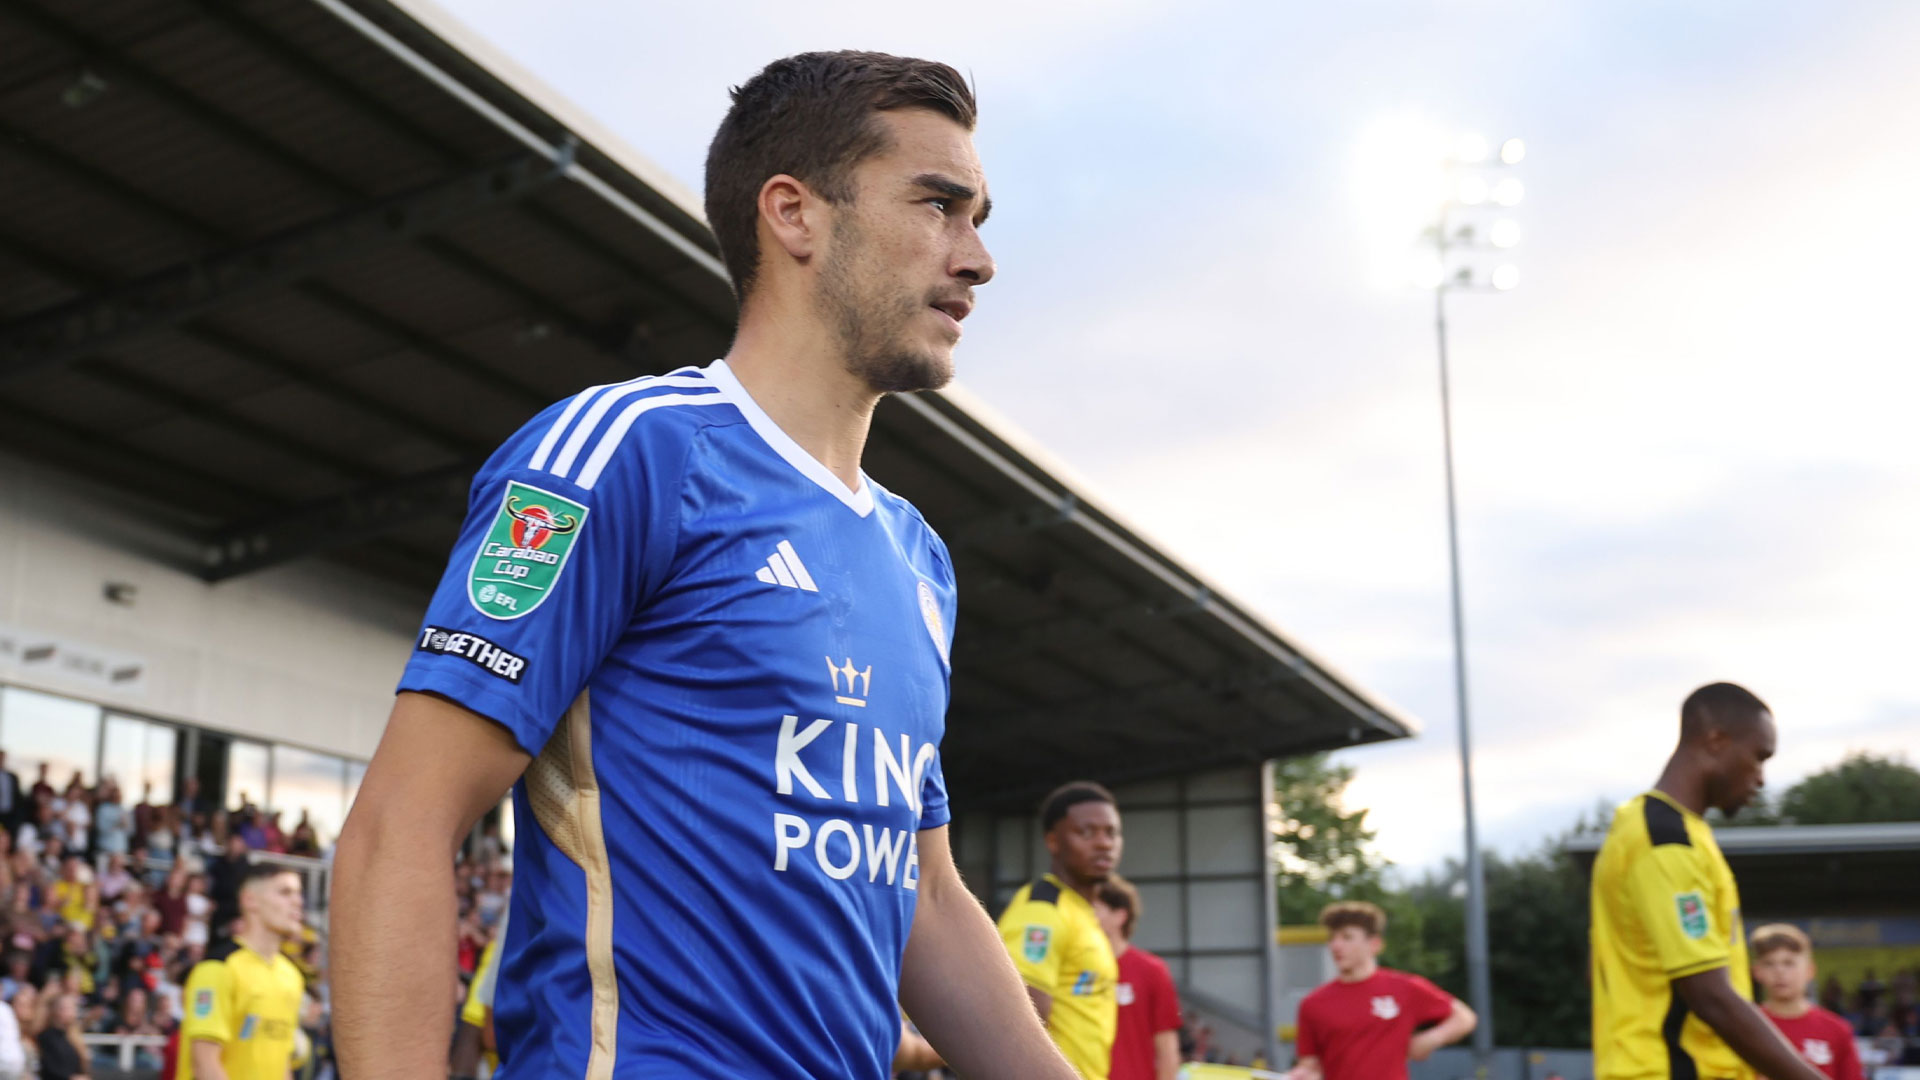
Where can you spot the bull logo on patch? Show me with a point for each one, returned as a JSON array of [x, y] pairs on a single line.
[[1386, 1008], [535, 525]]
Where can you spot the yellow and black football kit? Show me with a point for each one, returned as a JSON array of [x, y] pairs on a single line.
[[1059, 948], [250, 1005], [1664, 907]]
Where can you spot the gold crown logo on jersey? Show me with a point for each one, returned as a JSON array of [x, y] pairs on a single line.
[[859, 682]]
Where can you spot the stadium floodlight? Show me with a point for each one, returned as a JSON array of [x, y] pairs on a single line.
[[1427, 272], [1451, 268]]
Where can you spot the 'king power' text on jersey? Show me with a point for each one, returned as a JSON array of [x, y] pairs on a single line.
[[732, 673]]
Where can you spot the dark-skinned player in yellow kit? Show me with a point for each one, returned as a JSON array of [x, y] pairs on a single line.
[[1054, 936], [1672, 992]]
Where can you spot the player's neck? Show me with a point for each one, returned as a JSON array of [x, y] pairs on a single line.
[[1084, 888], [1362, 973], [1682, 783], [1788, 1009], [795, 371], [258, 938]]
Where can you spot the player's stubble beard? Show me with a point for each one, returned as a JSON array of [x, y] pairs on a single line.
[[872, 314]]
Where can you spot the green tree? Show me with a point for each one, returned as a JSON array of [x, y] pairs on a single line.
[[1863, 787], [1324, 851]]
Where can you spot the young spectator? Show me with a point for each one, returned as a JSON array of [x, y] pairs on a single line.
[[116, 880], [1361, 1025], [1783, 966], [111, 822], [75, 897], [161, 838], [1146, 1040], [18, 973], [60, 1042], [199, 910]]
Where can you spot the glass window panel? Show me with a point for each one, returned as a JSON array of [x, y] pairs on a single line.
[[305, 782], [1010, 851], [1230, 980], [1162, 918], [41, 729], [137, 753], [1225, 914], [246, 774], [1241, 783]]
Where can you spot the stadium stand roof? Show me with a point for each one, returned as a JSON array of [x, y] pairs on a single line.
[[282, 274], [1813, 869]]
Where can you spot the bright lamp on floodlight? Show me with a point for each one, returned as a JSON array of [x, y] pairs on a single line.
[[1508, 192], [1512, 151], [1505, 276], [1504, 234], [1471, 149]]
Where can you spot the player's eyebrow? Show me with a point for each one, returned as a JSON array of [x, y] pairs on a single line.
[[954, 189]]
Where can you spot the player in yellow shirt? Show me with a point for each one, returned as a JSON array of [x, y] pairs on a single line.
[[243, 1009], [1056, 941], [1672, 994]]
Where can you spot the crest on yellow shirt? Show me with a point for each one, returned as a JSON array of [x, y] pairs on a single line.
[[1693, 914], [1038, 940], [203, 1003]]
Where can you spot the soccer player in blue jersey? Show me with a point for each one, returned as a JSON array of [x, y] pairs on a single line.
[[710, 656]]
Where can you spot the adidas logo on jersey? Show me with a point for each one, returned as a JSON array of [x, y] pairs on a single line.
[[785, 569]]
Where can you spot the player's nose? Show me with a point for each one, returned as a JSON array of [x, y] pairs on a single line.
[[972, 262]]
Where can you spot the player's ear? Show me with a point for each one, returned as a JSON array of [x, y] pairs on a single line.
[[1052, 837], [792, 216]]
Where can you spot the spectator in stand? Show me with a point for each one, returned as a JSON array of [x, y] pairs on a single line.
[[160, 837], [190, 802], [111, 824], [13, 1052], [19, 973], [77, 815], [61, 1053], [224, 875], [1146, 1040], [143, 811], [75, 897], [305, 841], [26, 1012], [13, 798], [31, 836], [116, 880], [253, 828], [1871, 989], [1783, 965], [171, 902], [42, 791], [200, 909]]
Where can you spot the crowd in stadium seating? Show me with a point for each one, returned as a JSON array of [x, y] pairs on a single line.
[[1884, 1010], [105, 908]]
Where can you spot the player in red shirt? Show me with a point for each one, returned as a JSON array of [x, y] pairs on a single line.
[[1783, 966], [1361, 1026], [1146, 1042]]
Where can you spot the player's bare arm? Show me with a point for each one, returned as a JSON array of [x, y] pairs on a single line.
[[1307, 1068], [206, 1060], [1458, 1025], [959, 985], [438, 768], [1711, 996]]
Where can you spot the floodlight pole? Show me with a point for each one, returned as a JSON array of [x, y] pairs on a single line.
[[1479, 983]]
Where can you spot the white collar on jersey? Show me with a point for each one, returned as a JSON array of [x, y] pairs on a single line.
[[860, 500]]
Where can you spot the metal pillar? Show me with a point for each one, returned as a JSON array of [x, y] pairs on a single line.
[[1479, 987]]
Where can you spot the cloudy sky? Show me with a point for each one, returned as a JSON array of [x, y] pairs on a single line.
[[1687, 444]]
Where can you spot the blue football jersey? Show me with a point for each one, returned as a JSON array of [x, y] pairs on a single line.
[[732, 674]]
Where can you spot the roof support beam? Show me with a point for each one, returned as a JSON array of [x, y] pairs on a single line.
[[335, 523], [175, 295]]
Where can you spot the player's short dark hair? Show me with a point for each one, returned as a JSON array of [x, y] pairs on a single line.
[[1774, 937], [1345, 913], [264, 871], [1119, 894], [1718, 705], [811, 116], [1066, 797]]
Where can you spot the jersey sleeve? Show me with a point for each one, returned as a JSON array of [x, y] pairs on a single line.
[[1430, 1004], [1165, 1006], [209, 1001], [1846, 1053], [934, 811], [1032, 933], [1672, 893], [547, 573], [1306, 1040]]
